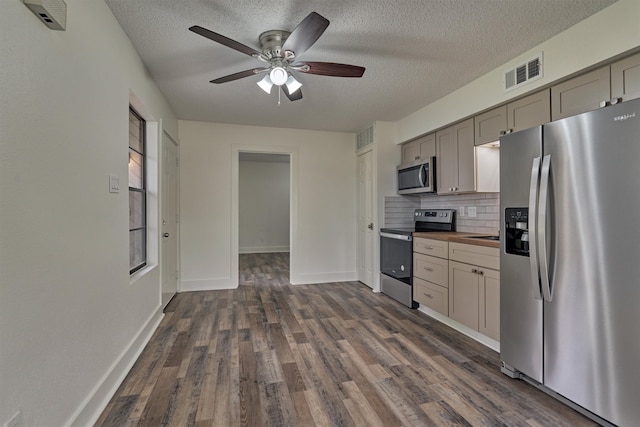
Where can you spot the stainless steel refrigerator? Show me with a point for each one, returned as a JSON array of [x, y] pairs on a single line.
[[570, 260]]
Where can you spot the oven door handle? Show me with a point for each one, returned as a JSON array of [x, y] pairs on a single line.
[[397, 236]]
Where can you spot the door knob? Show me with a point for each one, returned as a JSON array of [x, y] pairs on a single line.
[[165, 235], [370, 226]]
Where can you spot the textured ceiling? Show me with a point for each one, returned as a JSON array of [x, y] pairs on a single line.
[[414, 51]]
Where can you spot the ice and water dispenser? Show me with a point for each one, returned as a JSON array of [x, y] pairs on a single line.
[[516, 231]]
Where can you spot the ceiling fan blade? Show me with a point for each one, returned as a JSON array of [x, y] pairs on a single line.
[[239, 75], [331, 69], [224, 40], [306, 33], [292, 96]]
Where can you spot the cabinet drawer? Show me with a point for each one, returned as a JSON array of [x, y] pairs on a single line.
[[431, 295], [480, 256], [431, 247], [431, 269]]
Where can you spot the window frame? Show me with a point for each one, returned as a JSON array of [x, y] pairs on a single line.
[[141, 190]]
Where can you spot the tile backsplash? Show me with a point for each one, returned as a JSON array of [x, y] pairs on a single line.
[[398, 210]]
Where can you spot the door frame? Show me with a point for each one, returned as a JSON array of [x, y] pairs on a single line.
[[235, 206]]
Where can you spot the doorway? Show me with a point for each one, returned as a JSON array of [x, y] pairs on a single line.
[[169, 269], [264, 223]]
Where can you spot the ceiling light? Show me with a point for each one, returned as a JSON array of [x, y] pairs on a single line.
[[293, 85], [266, 84], [278, 76]]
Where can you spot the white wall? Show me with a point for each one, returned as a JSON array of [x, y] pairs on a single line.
[[264, 206], [608, 33], [323, 209], [70, 320]]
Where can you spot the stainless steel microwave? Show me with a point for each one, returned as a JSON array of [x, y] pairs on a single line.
[[417, 177]]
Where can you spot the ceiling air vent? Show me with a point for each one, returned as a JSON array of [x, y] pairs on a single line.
[[523, 73]]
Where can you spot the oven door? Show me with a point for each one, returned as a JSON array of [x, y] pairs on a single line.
[[396, 256]]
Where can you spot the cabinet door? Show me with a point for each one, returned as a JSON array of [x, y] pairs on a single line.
[[530, 111], [580, 94], [427, 146], [490, 125], [463, 294], [447, 163], [489, 304], [625, 78], [409, 152], [464, 136]]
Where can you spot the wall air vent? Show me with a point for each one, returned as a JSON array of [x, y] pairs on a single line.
[[53, 13], [523, 73], [364, 138]]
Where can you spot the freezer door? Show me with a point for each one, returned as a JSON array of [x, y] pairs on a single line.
[[591, 339], [520, 311]]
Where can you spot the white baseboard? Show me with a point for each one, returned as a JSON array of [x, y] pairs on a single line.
[[207, 285], [482, 339], [263, 249], [315, 278], [91, 408]]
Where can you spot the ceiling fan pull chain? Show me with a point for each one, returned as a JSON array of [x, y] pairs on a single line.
[[278, 99]]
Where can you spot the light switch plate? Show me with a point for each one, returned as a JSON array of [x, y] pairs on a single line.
[[114, 184]]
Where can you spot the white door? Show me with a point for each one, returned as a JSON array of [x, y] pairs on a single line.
[[365, 219], [169, 246]]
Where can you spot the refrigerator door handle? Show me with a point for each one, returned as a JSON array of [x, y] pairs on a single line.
[[542, 228], [533, 235]]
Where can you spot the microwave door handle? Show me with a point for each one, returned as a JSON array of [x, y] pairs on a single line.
[[421, 176], [542, 227], [533, 229]]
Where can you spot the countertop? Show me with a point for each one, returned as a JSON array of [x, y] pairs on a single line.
[[458, 237]]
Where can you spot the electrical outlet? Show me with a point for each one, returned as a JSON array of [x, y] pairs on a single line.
[[15, 421], [461, 211], [471, 211]]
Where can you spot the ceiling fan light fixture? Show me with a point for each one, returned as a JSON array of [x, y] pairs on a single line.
[[292, 84], [278, 76], [266, 84]]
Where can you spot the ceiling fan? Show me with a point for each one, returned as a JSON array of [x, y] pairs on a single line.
[[280, 51]]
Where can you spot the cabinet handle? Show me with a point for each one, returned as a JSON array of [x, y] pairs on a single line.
[[428, 296], [474, 270], [428, 269], [615, 101], [416, 158], [604, 104], [480, 272], [428, 247]]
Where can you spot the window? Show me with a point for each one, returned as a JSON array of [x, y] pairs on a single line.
[[137, 193]]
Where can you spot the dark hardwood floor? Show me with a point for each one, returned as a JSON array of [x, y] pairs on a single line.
[[273, 354]]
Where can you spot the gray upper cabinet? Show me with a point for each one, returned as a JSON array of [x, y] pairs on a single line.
[[625, 78], [421, 148], [456, 159], [490, 125], [583, 93], [532, 110]]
